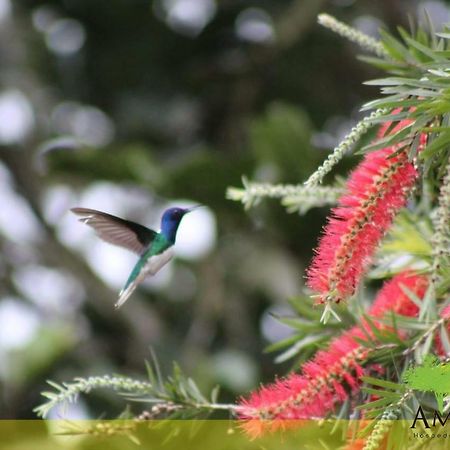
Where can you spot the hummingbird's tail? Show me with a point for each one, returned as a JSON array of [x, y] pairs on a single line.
[[125, 294], [136, 276], [144, 267]]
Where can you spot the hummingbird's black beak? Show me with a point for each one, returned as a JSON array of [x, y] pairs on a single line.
[[188, 210]]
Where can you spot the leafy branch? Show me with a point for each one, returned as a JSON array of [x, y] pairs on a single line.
[[363, 40], [295, 197], [344, 147], [66, 393], [178, 396]]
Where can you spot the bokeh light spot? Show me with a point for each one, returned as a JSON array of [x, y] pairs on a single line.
[[254, 25], [65, 37], [19, 324], [88, 124], [52, 290], [5, 10], [188, 16], [271, 328], [16, 117]]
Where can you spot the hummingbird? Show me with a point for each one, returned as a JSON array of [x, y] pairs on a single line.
[[155, 249]]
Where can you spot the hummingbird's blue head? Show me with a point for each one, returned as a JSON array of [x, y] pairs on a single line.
[[170, 221]]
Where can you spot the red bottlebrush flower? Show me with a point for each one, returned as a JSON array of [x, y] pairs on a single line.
[[392, 298], [376, 190], [311, 394], [332, 374]]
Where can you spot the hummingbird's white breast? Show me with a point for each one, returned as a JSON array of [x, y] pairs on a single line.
[[155, 263]]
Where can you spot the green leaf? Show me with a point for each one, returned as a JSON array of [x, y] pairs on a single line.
[[283, 343], [374, 328], [403, 81], [436, 145], [390, 140], [384, 383], [298, 346], [382, 393], [380, 403], [391, 102], [407, 323], [195, 392], [374, 413], [394, 47], [215, 394], [293, 322], [424, 50], [387, 65], [57, 386]]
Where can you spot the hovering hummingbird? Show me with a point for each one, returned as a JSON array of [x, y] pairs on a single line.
[[154, 248]]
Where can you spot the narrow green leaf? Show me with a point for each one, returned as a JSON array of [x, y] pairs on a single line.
[[298, 346], [367, 343], [296, 323], [380, 403], [215, 394], [374, 413], [393, 102], [424, 50], [283, 343], [390, 140], [195, 391], [49, 395], [382, 393], [403, 81], [57, 386], [394, 47], [387, 65], [383, 383], [436, 145]]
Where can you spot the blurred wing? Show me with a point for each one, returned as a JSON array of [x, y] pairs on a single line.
[[117, 231]]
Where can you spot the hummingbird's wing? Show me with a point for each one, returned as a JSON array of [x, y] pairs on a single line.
[[117, 231]]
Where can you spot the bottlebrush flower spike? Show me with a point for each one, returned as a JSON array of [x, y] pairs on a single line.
[[393, 298], [376, 190], [310, 394], [333, 374]]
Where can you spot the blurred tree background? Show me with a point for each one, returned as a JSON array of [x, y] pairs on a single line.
[[128, 106]]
